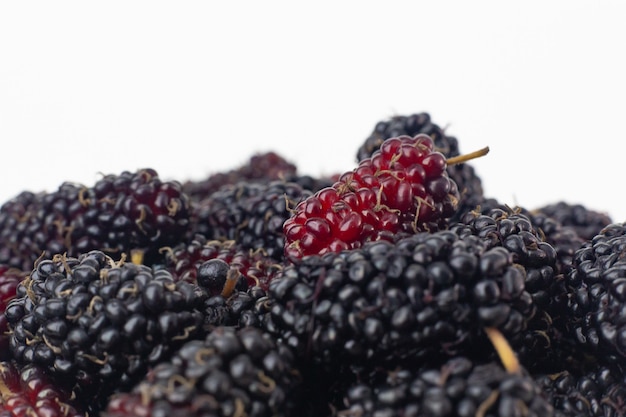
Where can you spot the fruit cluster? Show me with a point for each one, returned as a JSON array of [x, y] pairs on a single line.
[[398, 288]]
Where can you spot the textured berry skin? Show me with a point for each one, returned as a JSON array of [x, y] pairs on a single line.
[[597, 294], [98, 324], [251, 214], [131, 211], [586, 222], [260, 168], [17, 247], [427, 294], [186, 259], [459, 387], [411, 125], [32, 224], [402, 188], [313, 184], [242, 308], [596, 393], [464, 175], [28, 391], [9, 280], [565, 239], [544, 345], [230, 373], [514, 231], [118, 214]]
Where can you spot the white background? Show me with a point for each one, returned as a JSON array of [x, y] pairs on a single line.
[[191, 88]]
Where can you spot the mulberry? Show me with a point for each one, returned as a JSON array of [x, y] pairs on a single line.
[[28, 391], [586, 222], [229, 373], [427, 294], [261, 167], [464, 175], [100, 324], [461, 387], [251, 214], [185, 261], [9, 280], [117, 215], [597, 393], [597, 294], [402, 188]]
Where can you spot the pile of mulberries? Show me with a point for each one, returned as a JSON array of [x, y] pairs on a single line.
[[230, 372], [396, 288]]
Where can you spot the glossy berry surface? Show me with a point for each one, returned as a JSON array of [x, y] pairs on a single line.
[[427, 294], [185, 261], [28, 392], [597, 392], [230, 373], [130, 211], [119, 214], [252, 214], [402, 188], [597, 293], [9, 280], [585, 221], [97, 324], [261, 167], [458, 387], [464, 175]]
